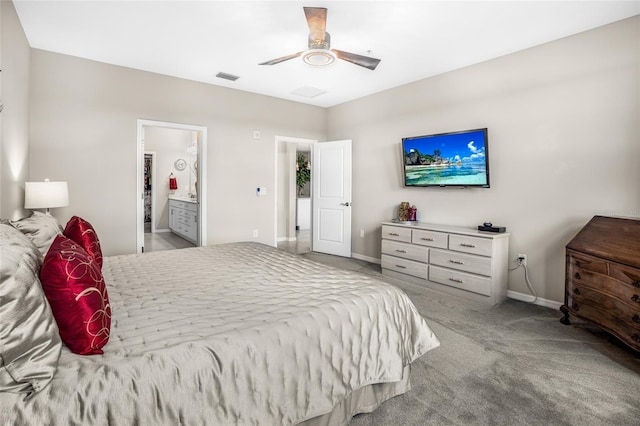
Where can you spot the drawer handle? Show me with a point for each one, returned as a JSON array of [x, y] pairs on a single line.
[[576, 290], [467, 245], [576, 276], [636, 318], [401, 251], [575, 306], [636, 283], [394, 234], [401, 266], [577, 263], [426, 239], [457, 262], [456, 280], [636, 338], [635, 298]]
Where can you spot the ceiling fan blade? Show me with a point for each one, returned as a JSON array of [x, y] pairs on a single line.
[[281, 59], [363, 61], [317, 21]]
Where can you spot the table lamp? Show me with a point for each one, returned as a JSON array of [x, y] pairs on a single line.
[[45, 195]]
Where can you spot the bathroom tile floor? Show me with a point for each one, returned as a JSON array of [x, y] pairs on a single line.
[[164, 241], [301, 245]]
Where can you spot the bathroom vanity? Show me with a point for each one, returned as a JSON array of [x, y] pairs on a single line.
[[183, 217]]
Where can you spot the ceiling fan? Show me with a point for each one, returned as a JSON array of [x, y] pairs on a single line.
[[319, 52]]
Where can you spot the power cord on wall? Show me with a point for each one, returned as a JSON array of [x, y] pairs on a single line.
[[523, 264]]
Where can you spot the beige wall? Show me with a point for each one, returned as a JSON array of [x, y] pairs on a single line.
[[563, 123], [563, 144], [83, 130], [15, 55]]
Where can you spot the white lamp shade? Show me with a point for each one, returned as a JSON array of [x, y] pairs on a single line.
[[45, 195]]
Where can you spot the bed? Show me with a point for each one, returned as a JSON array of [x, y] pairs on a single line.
[[236, 333]]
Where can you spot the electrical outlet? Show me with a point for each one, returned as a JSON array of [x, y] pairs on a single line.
[[362, 233], [255, 233], [524, 259]]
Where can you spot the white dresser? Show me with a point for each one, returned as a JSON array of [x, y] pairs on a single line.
[[461, 261], [183, 219]]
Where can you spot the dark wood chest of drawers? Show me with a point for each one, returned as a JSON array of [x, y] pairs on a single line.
[[602, 282]]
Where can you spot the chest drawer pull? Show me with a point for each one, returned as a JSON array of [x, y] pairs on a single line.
[[576, 276], [636, 318], [401, 266], [456, 280], [401, 251], [635, 298], [636, 283], [575, 306], [576, 290], [394, 234], [636, 338], [457, 262], [426, 239], [467, 245], [577, 263]]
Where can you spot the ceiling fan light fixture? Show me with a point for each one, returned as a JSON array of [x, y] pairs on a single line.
[[318, 57]]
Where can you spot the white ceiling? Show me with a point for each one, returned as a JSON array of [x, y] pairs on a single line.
[[196, 40]]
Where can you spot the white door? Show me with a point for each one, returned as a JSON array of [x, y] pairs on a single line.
[[331, 219]]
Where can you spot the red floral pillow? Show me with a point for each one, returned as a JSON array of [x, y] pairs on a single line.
[[81, 231], [75, 288]]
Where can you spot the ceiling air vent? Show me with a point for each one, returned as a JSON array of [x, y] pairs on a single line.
[[227, 76]]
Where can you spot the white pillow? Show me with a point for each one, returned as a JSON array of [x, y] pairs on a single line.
[[29, 338], [41, 229]]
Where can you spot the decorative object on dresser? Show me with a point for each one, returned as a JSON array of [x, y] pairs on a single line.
[[403, 211], [602, 282], [457, 260]]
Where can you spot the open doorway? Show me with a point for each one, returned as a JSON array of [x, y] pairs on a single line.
[[171, 186], [293, 194]]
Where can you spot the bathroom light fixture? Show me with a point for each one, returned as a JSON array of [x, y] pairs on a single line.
[[46, 195]]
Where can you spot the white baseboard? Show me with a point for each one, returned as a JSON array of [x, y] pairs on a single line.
[[281, 239], [539, 301], [365, 258]]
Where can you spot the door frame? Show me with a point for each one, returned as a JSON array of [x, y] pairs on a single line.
[[153, 189], [287, 139], [202, 177]]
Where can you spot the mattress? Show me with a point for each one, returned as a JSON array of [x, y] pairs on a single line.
[[231, 334]]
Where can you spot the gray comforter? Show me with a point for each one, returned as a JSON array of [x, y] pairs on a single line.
[[230, 334]]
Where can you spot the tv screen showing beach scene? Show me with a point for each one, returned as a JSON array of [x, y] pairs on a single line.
[[447, 159]]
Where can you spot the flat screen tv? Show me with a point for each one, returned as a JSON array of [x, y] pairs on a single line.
[[447, 159]]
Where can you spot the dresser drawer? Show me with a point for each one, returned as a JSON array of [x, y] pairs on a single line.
[[464, 281], [622, 304], [430, 238], [473, 245], [405, 250], [460, 261], [587, 262], [396, 233], [602, 283], [626, 274], [405, 266], [607, 311]]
